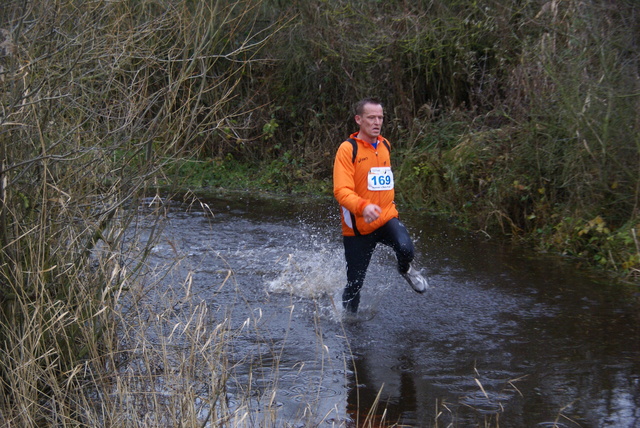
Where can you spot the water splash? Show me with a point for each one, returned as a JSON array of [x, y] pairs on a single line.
[[310, 273]]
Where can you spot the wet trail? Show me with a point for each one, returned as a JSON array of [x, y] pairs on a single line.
[[502, 338]]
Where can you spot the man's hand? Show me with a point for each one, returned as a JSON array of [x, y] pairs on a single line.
[[371, 212]]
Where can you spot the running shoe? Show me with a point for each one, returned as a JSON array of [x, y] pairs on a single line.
[[416, 280]]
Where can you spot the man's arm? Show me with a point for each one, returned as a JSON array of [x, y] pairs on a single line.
[[344, 181]]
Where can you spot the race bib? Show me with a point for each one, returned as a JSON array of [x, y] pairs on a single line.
[[380, 178]]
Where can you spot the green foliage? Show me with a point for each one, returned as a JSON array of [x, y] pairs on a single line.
[[594, 243], [284, 174]]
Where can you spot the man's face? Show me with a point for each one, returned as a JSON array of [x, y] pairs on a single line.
[[370, 121]]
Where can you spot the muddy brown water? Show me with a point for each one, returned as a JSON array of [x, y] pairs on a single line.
[[502, 338]]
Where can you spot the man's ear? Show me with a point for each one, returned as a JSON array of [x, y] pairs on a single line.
[[358, 119]]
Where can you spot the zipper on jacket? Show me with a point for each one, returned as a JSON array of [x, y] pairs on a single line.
[[379, 196]]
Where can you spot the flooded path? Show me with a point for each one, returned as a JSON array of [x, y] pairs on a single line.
[[503, 337]]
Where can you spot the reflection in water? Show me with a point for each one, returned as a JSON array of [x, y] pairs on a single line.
[[501, 339]]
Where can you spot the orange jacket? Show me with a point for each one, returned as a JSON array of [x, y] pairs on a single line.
[[350, 186]]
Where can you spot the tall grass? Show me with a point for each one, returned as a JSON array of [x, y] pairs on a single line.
[[95, 97]]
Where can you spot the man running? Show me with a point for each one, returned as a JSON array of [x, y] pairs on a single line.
[[363, 186]]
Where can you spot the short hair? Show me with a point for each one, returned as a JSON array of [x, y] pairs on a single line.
[[359, 107]]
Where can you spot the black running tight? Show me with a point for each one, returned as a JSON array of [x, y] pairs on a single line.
[[359, 249]]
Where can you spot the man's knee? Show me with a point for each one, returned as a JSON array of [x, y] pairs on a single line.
[[403, 243], [406, 248]]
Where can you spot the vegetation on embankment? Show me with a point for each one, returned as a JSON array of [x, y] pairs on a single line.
[[518, 116]]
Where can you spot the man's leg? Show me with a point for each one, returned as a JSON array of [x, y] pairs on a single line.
[[395, 235], [357, 252]]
